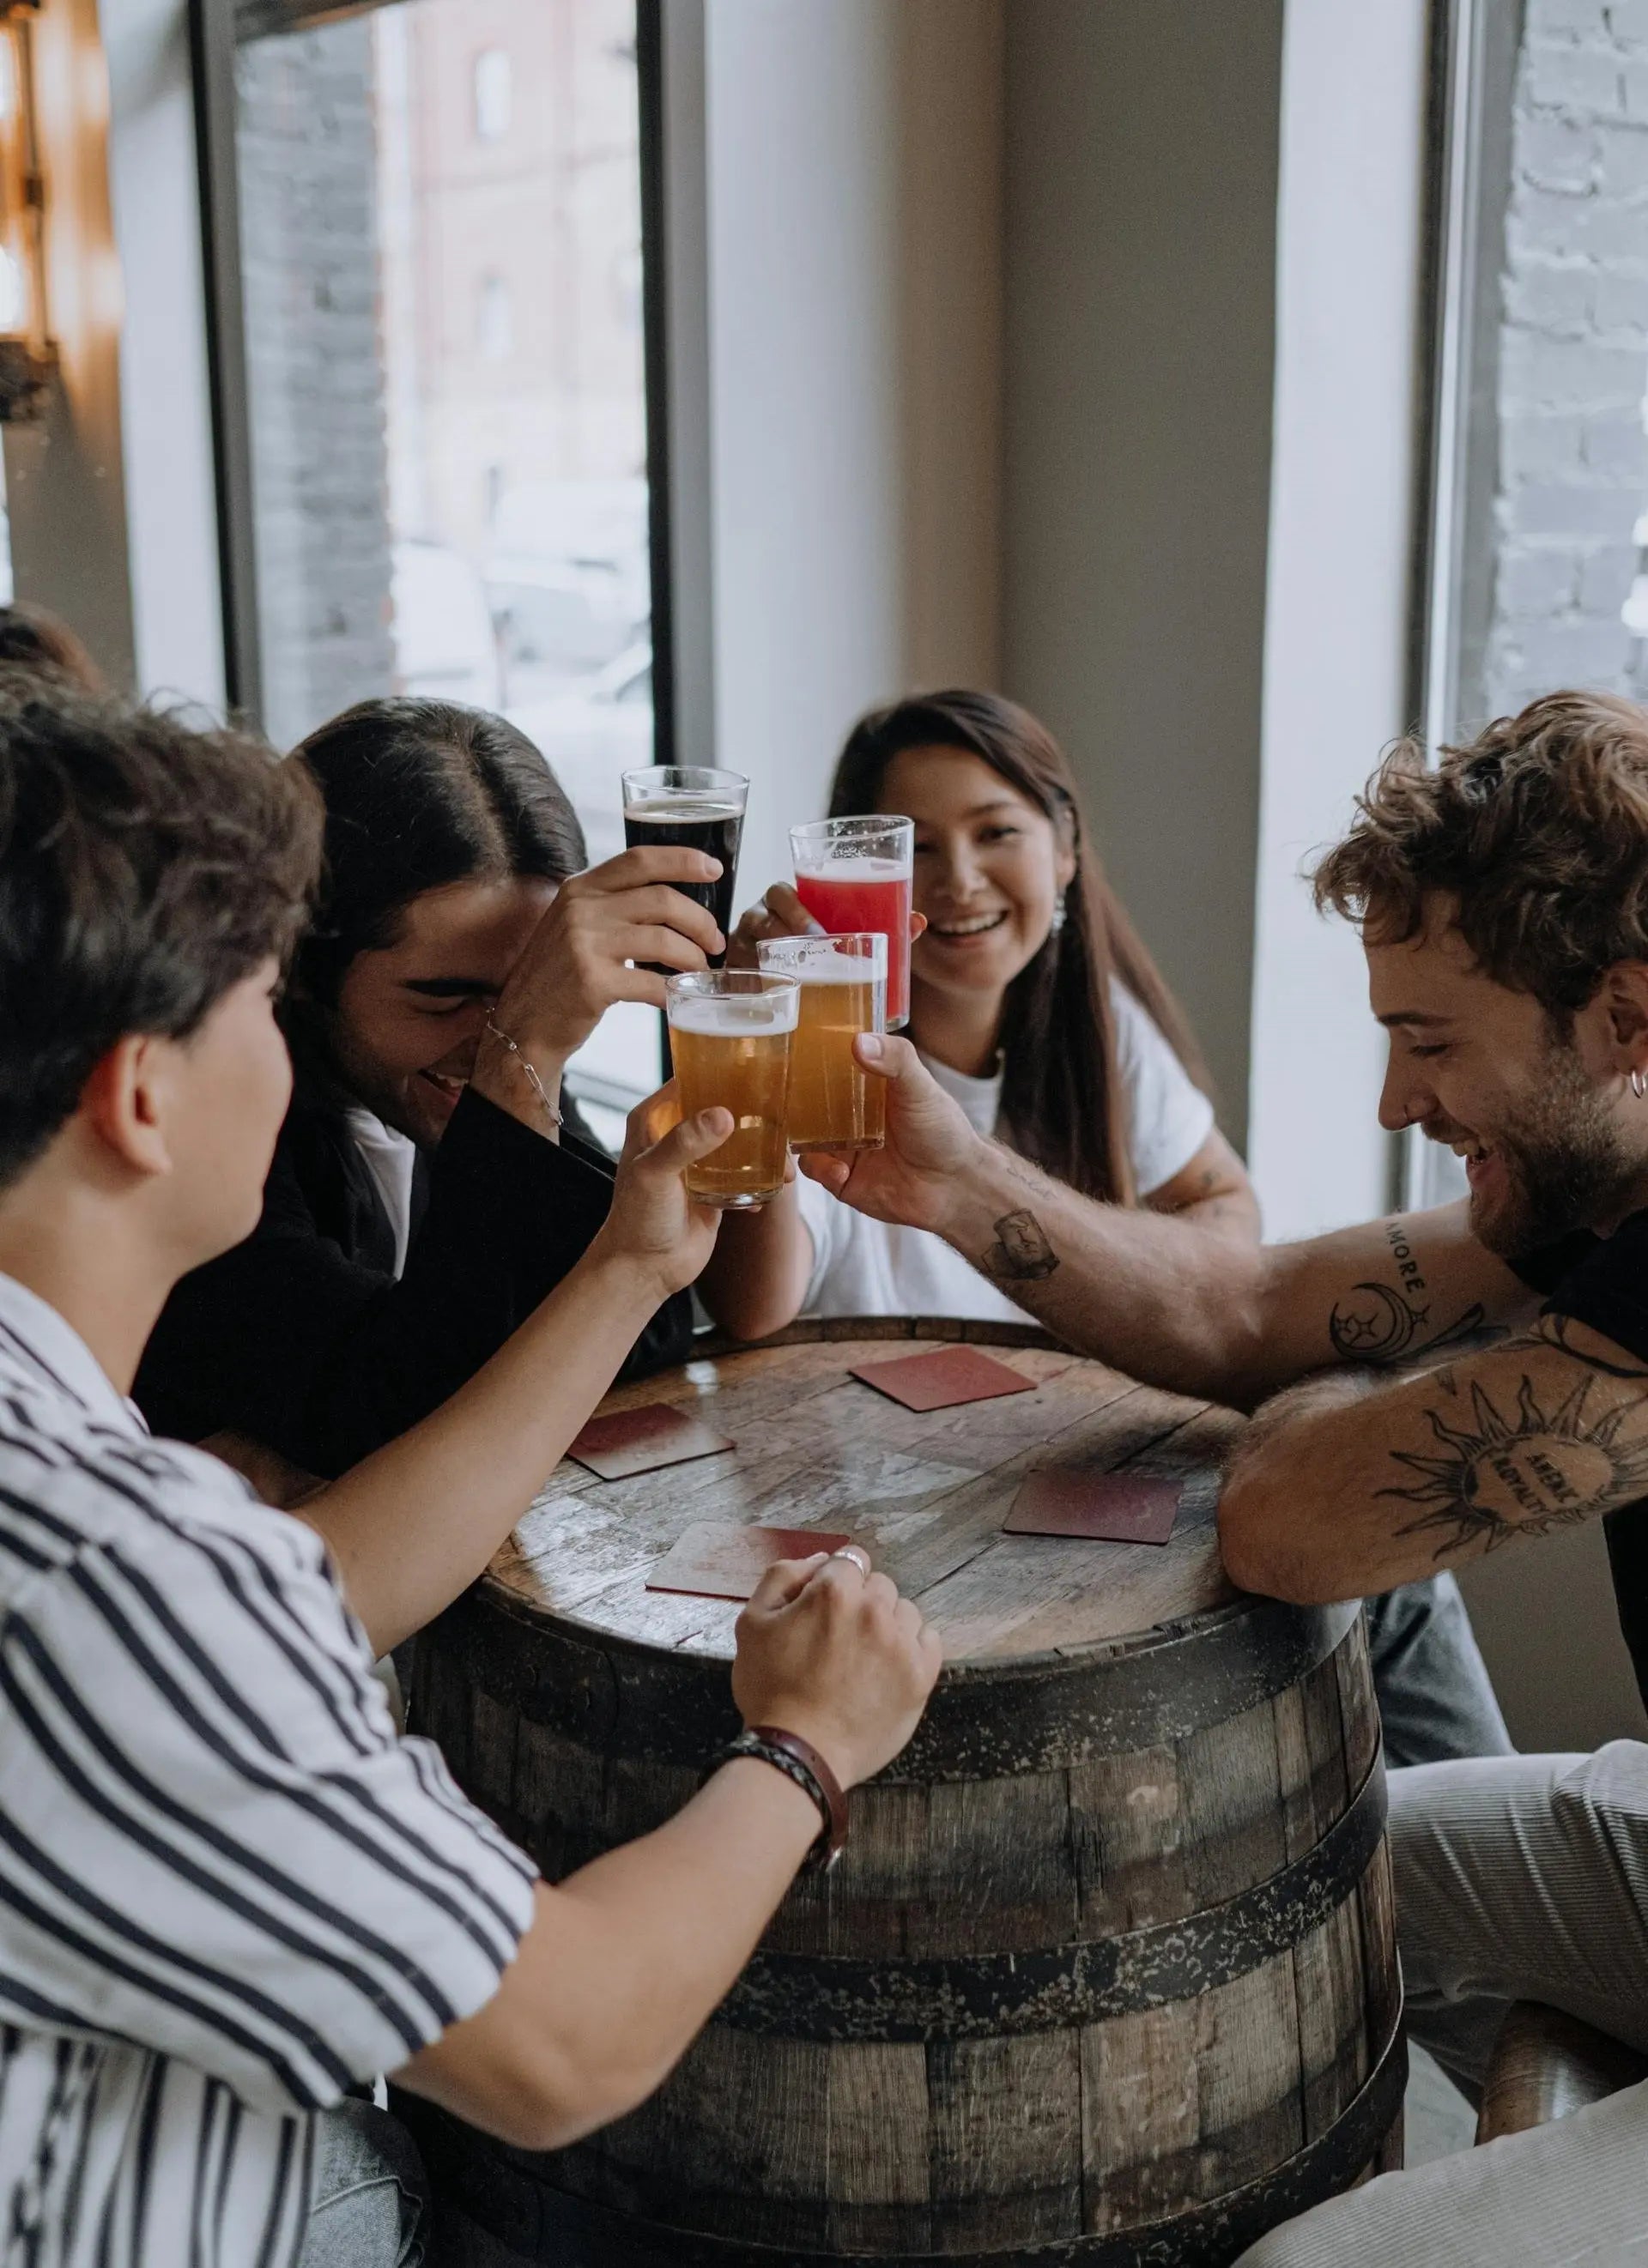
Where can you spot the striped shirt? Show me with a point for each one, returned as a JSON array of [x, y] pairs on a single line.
[[228, 1891]]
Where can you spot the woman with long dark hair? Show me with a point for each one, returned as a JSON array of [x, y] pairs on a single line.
[[1036, 1005], [1034, 1002], [431, 1182]]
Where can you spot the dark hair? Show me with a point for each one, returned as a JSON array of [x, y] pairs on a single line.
[[1061, 1098], [31, 638], [145, 869], [420, 794], [1537, 831]]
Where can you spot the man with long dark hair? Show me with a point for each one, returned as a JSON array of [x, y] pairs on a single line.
[[433, 1180], [1502, 902]]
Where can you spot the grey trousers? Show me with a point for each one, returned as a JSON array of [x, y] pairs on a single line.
[[1436, 1697], [371, 2207], [1517, 1878]]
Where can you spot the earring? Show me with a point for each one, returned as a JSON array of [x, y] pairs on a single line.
[[1059, 916], [1639, 1086]]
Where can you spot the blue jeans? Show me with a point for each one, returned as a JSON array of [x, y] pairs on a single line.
[[1436, 1697], [371, 2207]]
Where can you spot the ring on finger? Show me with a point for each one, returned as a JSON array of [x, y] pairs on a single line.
[[859, 1558]]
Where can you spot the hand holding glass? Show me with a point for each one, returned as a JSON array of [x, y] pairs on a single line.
[[730, 1033], [687, 807], [833, 1102]]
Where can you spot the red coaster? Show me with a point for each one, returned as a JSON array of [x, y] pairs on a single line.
[[716, 1561], [939, 1379], [632, 1441], [1113, 1507]]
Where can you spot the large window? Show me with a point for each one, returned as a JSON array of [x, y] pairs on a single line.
[[440, 261], [1537, 566]]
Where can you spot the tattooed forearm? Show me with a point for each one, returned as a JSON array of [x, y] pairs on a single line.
[[1022, 1253], [1494, 1473], [1555, 1330], [1384, 1323]]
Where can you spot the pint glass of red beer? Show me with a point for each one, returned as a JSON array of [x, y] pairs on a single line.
[[853, 874]]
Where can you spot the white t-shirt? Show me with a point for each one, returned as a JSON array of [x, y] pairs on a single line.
[[864, 1267], [390, 1158]]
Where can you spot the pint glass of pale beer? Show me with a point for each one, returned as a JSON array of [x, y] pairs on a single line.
[[833, 1101], [730, 1033]]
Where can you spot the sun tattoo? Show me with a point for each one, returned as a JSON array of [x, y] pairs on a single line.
[[1525, 1473]]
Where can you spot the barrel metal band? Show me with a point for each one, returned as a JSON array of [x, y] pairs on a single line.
[[987, 1721], [827, 1997], [538, 2222]]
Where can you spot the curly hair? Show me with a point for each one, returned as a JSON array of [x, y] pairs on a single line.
[[1536, 835], [146, 868]]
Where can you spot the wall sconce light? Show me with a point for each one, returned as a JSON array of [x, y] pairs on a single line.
[[28, 357]]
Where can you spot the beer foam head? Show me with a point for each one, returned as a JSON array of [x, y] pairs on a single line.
[[826, 967], [734, 1015], [817, 866], [661, 813]]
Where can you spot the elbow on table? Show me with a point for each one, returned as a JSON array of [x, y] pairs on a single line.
[[544, 2101], [1263, 1549], [752, 1322]]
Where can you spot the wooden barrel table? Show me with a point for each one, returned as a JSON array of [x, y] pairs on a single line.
[[1106, 1974]]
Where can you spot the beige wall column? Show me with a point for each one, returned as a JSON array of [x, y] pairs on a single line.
[[850, 245], [953, 101], [1142, 140]]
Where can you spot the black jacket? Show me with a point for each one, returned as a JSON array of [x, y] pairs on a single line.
[[302, 1338]]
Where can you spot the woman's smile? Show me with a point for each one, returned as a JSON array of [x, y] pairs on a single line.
[[974, 925]]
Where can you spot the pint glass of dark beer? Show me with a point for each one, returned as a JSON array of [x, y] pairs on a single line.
[[686, 806]]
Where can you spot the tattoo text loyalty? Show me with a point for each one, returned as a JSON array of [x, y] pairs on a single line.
[[1491, 1473]]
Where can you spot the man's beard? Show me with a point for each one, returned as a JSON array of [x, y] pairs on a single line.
[[1565, 1166]]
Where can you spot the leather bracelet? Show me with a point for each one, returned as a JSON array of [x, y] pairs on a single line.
[[798, 1760]]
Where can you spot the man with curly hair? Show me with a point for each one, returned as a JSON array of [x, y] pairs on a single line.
[[1460, 1381]]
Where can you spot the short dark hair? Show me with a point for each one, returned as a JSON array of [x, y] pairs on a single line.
[[1537, 831], [420, 794], [146, 867]]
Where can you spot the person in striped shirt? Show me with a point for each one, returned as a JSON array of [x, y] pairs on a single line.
[[229, 1895]]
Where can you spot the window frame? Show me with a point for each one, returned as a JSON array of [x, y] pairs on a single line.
[[1475, 47], [216, 29]]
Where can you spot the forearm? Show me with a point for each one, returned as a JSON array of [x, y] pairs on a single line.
[[414, 1524], [1214, 1314], [1233, 1213], [623, 1965], [1335, 1498], [1152, 1293], [758, 1274], [692, 1900]]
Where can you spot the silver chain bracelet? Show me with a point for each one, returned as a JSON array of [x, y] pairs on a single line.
[[549, 1111]]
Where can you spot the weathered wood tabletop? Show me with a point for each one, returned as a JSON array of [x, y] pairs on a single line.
[[926, 1494]]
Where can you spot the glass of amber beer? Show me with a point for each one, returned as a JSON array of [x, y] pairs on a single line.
[[730, 1031], [833, 1101]]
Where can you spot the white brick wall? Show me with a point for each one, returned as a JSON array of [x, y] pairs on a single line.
[[1573, 469]]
